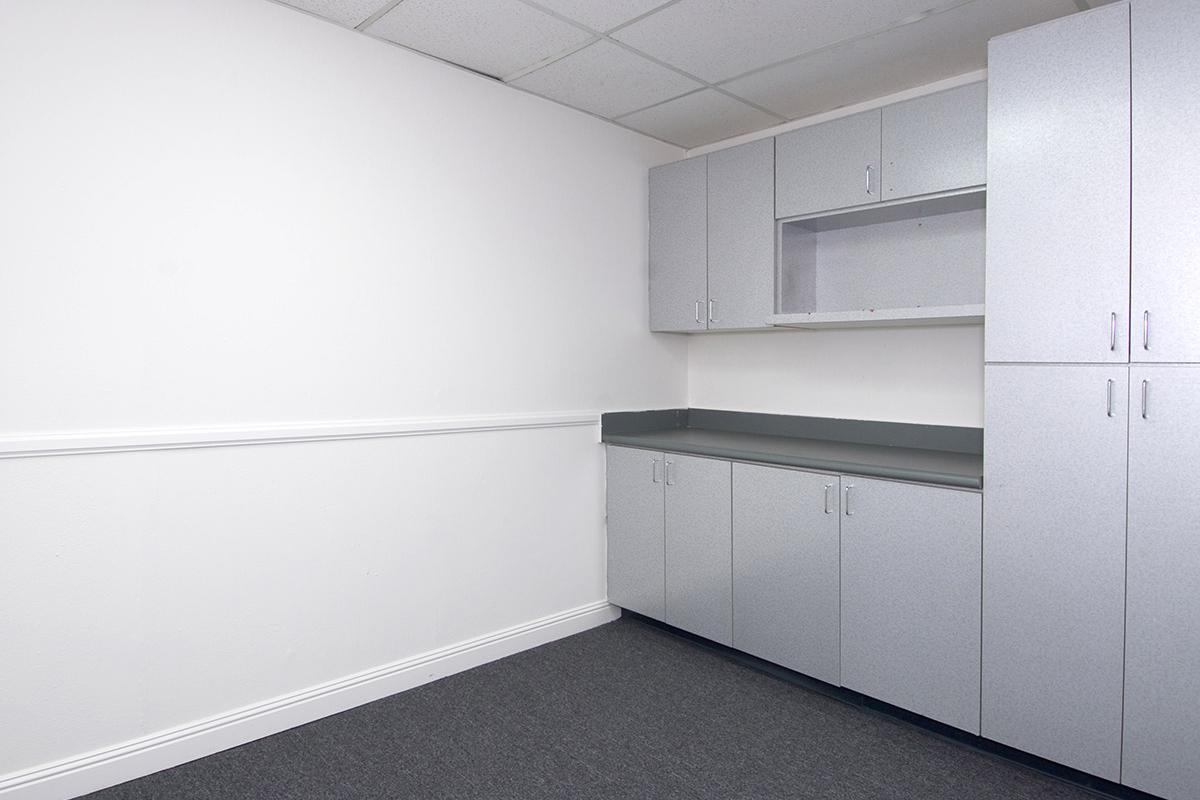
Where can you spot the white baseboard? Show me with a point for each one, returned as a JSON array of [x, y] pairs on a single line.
[[78, 775]]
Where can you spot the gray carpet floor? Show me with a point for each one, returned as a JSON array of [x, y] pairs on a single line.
[[622, 711]]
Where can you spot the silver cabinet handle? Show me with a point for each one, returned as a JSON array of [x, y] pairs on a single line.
[[869, 179], [1112, 335], [1145, 399], [1110, 397], [1146, 330], [697, 312], [667, 470], [849, 511], [828, 508], [712, 310], [654, 470]]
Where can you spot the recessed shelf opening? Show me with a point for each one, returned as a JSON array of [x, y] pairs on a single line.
[[912, 262]]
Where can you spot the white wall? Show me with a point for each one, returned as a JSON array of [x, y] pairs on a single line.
[[229, 215], [929, 375]]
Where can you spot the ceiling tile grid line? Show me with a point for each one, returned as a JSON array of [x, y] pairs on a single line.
[[691, 72]]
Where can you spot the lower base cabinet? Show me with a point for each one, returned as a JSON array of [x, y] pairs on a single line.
[[911, 573], [785, 568], [869, 584], [636, 518], [698, 543]]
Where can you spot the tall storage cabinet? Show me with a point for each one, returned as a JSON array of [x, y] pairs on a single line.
[[1166, 127], [1057, 389], [1054, 561], [1057, 279], [1162, 644]]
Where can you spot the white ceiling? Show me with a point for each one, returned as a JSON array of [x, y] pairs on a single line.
[[692, 72]]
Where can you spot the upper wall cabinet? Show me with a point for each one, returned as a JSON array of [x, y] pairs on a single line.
[[935, 143], [712, 254], [927, 145], [679, 245], [741, 236], [1057, 281], [1166, 127], [831, 165]]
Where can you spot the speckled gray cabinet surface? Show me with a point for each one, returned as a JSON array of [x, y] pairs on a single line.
[[785, 568], [741, 236], [935, 143], [678, 245], [1054, 561], [1162, 628], [910, 597], [636, 576], [699, 541], [1058, 191], [830, 165], [1166, 177]]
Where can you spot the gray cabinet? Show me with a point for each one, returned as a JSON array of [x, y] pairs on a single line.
[[699, 593], [1057, 280], [678, 246], [831, 165], [785, 568], [636, 573], [1162, 628], [935, 143], [741, 236], [712, 240], [1166, 127], [910, 597], [1054, 561]]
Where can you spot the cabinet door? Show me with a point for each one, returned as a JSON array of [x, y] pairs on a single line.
[[910, 597], [699, 539], [636, 576], [935, 143], [1162, 629], [741, 236], [785, 568], [1166, 127], [1057, 278], [827, 166], [1054, 561], [679, 246]]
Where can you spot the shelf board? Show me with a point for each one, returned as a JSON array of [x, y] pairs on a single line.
[[882, 317]]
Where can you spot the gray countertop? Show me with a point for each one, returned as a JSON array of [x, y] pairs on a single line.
[[945, 468]]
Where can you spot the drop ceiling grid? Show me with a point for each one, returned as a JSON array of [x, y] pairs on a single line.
[[725, 88]]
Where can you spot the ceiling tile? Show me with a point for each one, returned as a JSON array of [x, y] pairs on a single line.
[[940, 46], [600, 15], [343, 12], [720, 39], [699, 118], [606, 79], [495, 37]]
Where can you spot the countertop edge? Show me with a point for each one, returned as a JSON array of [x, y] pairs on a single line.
[[647, 442]]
